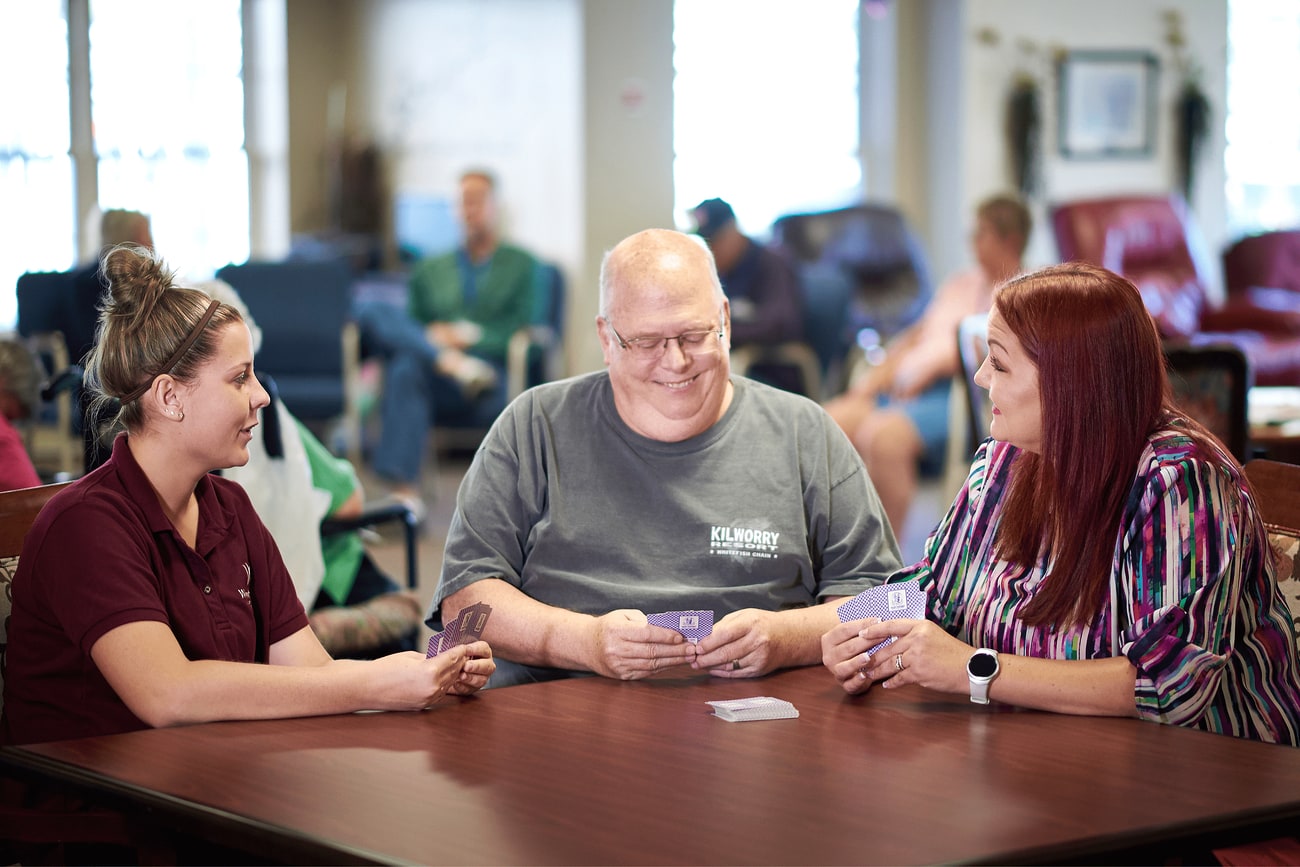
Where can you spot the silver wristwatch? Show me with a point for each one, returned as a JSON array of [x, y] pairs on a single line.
[[982, 667]]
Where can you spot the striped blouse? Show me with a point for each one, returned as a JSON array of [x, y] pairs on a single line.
[[1199, 610]]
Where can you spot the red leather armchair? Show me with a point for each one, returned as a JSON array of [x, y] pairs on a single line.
[[1150, 240]]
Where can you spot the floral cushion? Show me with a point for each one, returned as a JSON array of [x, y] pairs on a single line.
[[8, 566], [1286, 552]]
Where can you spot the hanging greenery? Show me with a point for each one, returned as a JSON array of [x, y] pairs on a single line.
[[1192, 110], [1192, 128], [1024, 128]]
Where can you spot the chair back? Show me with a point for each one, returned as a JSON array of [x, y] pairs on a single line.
[[1150, 240], [860, 267], [45, 301], [309, 342], [301, 308], [18, 510], [1211, 383], [972, 347], [535, 352], [1276, 488]]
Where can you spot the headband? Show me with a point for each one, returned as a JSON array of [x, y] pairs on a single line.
[[175, 356]]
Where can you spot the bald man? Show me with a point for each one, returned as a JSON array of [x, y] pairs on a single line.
[[662, 483]]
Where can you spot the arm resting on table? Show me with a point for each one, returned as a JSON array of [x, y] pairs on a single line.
[[145, 665]]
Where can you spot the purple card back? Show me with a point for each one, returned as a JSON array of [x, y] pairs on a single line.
[[693, 625], [466, 628], [886, 601]]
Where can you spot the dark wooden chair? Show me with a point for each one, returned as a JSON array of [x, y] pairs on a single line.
[[1211, 383], [45, 831], [1276, 488]]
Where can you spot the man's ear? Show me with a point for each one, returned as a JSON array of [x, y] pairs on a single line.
[[607, 344]]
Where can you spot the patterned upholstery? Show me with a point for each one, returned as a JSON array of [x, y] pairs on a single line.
[[1285, 542], [8, 566]]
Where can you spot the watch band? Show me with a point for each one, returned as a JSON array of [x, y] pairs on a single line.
[[981, 668]]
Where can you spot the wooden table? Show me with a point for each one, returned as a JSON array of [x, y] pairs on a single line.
[[592, 771]]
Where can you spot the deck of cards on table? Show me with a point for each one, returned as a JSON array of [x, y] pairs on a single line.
[[888, 602], [759, 707]]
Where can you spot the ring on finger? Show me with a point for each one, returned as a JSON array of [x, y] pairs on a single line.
[[898, 661], [735, 665]]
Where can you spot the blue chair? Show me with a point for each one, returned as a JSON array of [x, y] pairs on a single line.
[[309, 341], [46, 301], [863, 272]]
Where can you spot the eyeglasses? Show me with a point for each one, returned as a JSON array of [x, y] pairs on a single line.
[[690, 342]]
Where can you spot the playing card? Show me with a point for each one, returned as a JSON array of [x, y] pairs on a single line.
[[886, 601], [466, 628], [693, 625], [759, 707]]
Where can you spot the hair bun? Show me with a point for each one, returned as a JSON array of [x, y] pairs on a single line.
[[137, 278]]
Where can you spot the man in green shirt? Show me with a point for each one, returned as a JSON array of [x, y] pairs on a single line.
[[445, 357]]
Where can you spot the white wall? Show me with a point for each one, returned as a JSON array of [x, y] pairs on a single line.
[[628, 143], [1051, 25], [443, 86]]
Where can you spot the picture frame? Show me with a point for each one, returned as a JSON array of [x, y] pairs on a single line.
[[1107, 104]]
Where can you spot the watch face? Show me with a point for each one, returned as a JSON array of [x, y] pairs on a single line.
[[982, 665]]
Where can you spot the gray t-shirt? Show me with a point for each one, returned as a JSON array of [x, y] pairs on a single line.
[[770, 508]]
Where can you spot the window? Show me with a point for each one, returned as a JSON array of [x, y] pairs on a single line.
[[167, 106], [37, 222], [1262, 156], [765, 107], [166, 111]]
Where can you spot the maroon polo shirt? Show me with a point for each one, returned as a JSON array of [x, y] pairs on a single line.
[[102, 554]]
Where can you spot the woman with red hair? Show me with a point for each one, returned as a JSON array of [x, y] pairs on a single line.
[[1104, 555]]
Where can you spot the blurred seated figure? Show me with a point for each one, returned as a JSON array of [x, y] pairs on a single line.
[[353, 607], [444, 356], [896, 413], [863, 275], [761, 286], [116, 226], [20, 383]]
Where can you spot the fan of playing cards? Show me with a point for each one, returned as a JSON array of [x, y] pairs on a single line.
[[466, 628]]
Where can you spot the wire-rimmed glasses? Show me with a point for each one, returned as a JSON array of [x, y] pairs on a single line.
[[690, 342]]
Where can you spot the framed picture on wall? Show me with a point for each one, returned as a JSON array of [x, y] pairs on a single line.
[[1107, 104]]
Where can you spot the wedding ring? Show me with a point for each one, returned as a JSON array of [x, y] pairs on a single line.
[[735, 665], [898, 661]]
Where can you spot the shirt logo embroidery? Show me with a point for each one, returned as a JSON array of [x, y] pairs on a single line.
[[245, 593], [743, 542]]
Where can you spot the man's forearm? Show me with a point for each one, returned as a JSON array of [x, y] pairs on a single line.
[[524, 630]]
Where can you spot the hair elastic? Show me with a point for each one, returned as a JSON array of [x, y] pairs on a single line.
[[177, 355]]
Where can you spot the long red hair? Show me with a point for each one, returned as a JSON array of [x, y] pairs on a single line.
[[1104, 389]]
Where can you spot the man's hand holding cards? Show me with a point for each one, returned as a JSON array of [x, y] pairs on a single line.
[[885, 602]]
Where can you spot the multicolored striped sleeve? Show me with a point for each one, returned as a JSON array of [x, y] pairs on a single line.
[[1182, 586]]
